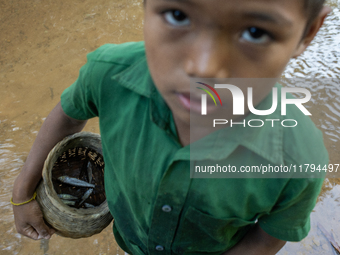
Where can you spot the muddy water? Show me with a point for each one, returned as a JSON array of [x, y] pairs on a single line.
[[42, 46]]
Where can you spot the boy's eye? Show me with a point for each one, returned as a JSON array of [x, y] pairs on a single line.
[[256, 35], [176, 18]]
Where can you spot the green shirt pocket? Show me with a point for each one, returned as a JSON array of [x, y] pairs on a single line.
[[203, 233]]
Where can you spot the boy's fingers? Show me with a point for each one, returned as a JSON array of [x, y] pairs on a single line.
[[40, 231], [29, 232], [43, 230], [29, 221]]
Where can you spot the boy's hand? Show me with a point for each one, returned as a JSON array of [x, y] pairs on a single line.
[[28, 217], [29, 221]]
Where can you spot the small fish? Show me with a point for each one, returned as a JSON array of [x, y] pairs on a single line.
[[67, 196], [89, 171], [87, 205], [68, 202], [86, 195], [44, 245], [75, 182]]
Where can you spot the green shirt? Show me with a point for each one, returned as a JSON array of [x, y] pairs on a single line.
[[157, 207]]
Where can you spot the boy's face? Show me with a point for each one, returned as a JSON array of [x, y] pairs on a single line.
[[219, 39]]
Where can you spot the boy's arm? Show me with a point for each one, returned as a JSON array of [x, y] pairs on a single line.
[[28, 217], [256, 242]]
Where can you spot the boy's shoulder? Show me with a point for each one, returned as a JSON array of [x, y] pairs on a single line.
[[121, 54], [300, 140], [109, 69], [291, 139], [119, 66], [303, 144]]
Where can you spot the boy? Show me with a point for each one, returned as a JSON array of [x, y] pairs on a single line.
[[143, 108]]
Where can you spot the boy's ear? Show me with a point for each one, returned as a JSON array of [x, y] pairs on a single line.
[[312, 30]]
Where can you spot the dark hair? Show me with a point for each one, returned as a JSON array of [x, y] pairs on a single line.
[[312, 9]]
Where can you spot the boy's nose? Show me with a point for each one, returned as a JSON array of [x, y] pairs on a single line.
[[208, 58]]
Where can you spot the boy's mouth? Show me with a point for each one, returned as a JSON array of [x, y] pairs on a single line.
[[192, 103]]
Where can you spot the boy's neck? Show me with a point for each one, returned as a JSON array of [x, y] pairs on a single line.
[[187, 135], [183, 131]]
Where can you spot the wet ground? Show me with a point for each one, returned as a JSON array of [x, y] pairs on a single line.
[[42, 46]]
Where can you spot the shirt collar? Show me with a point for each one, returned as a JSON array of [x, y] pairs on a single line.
[[266, 141], [138, 79]]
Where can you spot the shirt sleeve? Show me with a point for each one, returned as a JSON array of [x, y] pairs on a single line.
[[81, 99], [77, 100], [289, 219]]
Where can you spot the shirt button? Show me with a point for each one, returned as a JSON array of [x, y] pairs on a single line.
[[159, 248], [166, 208]]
